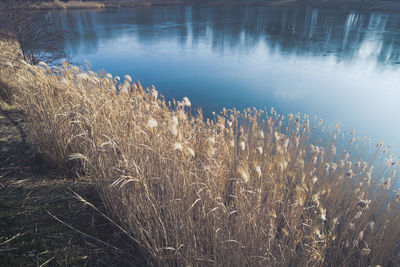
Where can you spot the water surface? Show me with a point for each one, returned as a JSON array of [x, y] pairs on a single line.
[[342, 66]]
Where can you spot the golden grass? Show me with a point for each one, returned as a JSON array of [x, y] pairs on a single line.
[[250, 188]]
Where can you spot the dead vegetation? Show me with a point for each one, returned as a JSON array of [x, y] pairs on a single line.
[[249, 188], [68, 5], [42, 221]]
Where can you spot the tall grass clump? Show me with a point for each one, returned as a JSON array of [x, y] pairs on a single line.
[[9, 53], [251, 188]]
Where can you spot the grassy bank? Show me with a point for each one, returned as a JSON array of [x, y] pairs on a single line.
[[248, 188], [42, 223]]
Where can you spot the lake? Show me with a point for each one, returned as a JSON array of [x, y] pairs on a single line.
[[339, 65]]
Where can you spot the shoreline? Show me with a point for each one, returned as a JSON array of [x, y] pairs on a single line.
[[384, 6]]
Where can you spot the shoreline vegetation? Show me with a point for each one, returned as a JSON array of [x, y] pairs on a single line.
[[249, 188], [386, 6], [33, 197]]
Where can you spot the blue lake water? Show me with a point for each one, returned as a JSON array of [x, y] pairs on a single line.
[[339, 65]]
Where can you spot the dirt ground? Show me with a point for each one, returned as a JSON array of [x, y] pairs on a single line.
[[42, 223]]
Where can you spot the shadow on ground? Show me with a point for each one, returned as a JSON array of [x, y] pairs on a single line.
[[32, 196]]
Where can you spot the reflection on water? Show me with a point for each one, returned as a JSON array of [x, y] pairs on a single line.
[[338, 65]]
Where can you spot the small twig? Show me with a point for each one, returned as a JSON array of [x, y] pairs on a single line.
[[26, 199], [12, 238], [7, 249], [45, 263]]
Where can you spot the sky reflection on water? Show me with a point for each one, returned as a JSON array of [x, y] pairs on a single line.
[[341, 66]]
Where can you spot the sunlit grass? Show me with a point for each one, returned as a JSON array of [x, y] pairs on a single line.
[[68, 4], [244, 188]]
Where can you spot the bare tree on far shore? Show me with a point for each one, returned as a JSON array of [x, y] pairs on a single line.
[[31, 29]]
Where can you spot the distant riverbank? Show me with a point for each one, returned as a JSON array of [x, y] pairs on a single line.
[[345, 5], [68, 5], [387, 6]]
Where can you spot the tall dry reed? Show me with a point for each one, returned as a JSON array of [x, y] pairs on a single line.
[[251, 188]]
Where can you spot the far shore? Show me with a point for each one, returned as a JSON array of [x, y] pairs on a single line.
[[383, 6]]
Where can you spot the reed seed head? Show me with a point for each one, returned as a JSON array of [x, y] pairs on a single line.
[[152, 123]]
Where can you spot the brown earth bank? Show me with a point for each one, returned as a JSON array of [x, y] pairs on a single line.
[[42, 221]]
